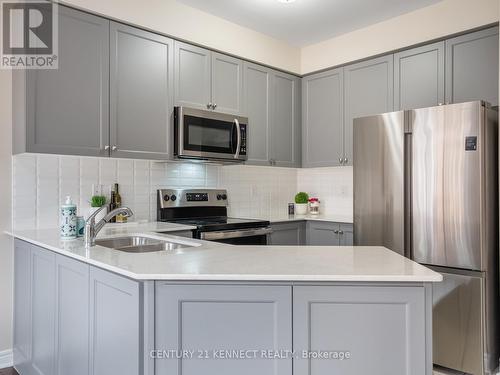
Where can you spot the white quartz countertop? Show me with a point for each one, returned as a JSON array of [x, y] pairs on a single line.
[[212, 261], [334, 218]]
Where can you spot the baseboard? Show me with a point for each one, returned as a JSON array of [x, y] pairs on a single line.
[[6, 358]]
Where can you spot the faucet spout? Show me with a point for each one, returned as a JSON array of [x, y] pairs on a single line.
[[92, 228]]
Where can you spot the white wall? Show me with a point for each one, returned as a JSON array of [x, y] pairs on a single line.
[[183, 22], [6, 258], [435, 21]]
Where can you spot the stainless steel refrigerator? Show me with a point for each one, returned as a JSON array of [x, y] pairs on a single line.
[[426, 186]]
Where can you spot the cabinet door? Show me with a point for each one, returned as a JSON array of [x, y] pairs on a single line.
[[192, 76], [472, 67], [223, 317], [22, 307], [286, 130], [419, 77], [258, 96], [323, 119], [346, 235], [227, 84], [67, 108], [331, 319], [114, 324], [141, 93], [43, 311], [322, 234], [288, 234], [72, 317], [368, 90]]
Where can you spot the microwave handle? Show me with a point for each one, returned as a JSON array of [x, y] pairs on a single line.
[[238, 136]]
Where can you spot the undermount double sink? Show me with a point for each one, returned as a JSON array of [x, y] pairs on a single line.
[[140, 244]]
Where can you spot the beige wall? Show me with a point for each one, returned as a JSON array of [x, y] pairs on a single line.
[[183, 22], [436, 21], [6, 261]]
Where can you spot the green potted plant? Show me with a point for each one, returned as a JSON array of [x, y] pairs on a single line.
[[96, 202], [301, 200]]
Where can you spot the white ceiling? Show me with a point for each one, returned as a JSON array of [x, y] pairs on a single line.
[[305, 22]]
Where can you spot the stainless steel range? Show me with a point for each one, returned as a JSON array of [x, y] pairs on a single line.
[[207, 210]]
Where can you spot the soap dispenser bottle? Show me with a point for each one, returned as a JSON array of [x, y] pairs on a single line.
[[68, 220]]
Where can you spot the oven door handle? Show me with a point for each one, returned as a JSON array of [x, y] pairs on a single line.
[[238, 136], [223, 235]]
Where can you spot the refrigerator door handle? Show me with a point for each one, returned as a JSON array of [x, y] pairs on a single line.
[[408, 241]]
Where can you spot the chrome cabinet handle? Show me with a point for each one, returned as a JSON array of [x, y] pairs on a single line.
[[114, 148], [209, 105], [346, 161], [341, 232], [238, 135], [214, 105], [106, 148], [336, 231]]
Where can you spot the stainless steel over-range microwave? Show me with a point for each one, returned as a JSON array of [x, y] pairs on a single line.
[[209, 135]]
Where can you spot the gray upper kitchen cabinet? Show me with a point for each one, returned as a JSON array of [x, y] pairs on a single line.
[[207, 318], [472, 67], [258, 108], [43, 311], [368, 89], [227, 84], [141, 93], [334, 318], [192, 76], [207, 80], [419, 77], [286, 122], [72, 317], [66, 110], [22, 307], [323, 119], [288, 234], [115, 324]]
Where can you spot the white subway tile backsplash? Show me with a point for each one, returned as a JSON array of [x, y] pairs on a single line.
[[41, 182]]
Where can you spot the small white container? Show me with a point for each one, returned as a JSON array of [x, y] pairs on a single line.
[[301, 208], [68, 220], [314, 206]]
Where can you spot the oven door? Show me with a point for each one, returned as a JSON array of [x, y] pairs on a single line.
[[257, 236], [209, 135]]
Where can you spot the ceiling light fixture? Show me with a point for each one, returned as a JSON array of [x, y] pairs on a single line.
[[286, 1]]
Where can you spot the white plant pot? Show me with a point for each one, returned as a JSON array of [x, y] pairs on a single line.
[[301, 208], [99, 216]]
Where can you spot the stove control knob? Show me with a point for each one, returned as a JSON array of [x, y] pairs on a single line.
[[219, 197], [166, 198], [173, 198], [224, 196]]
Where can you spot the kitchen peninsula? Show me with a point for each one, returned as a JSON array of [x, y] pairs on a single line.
[[203, 305]]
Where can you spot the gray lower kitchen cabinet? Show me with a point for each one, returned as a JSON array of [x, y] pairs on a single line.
[[192, 76], [66, 110], [419, 77], [22, 307], [286, 124], [333, 318], [368, 89], [472, 67], [72, 317], [141, 93], [323, 119], [227, 84], [258, 108], [323, 233], [115, 322], [288, 234], [43, 311], [210, 318]]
